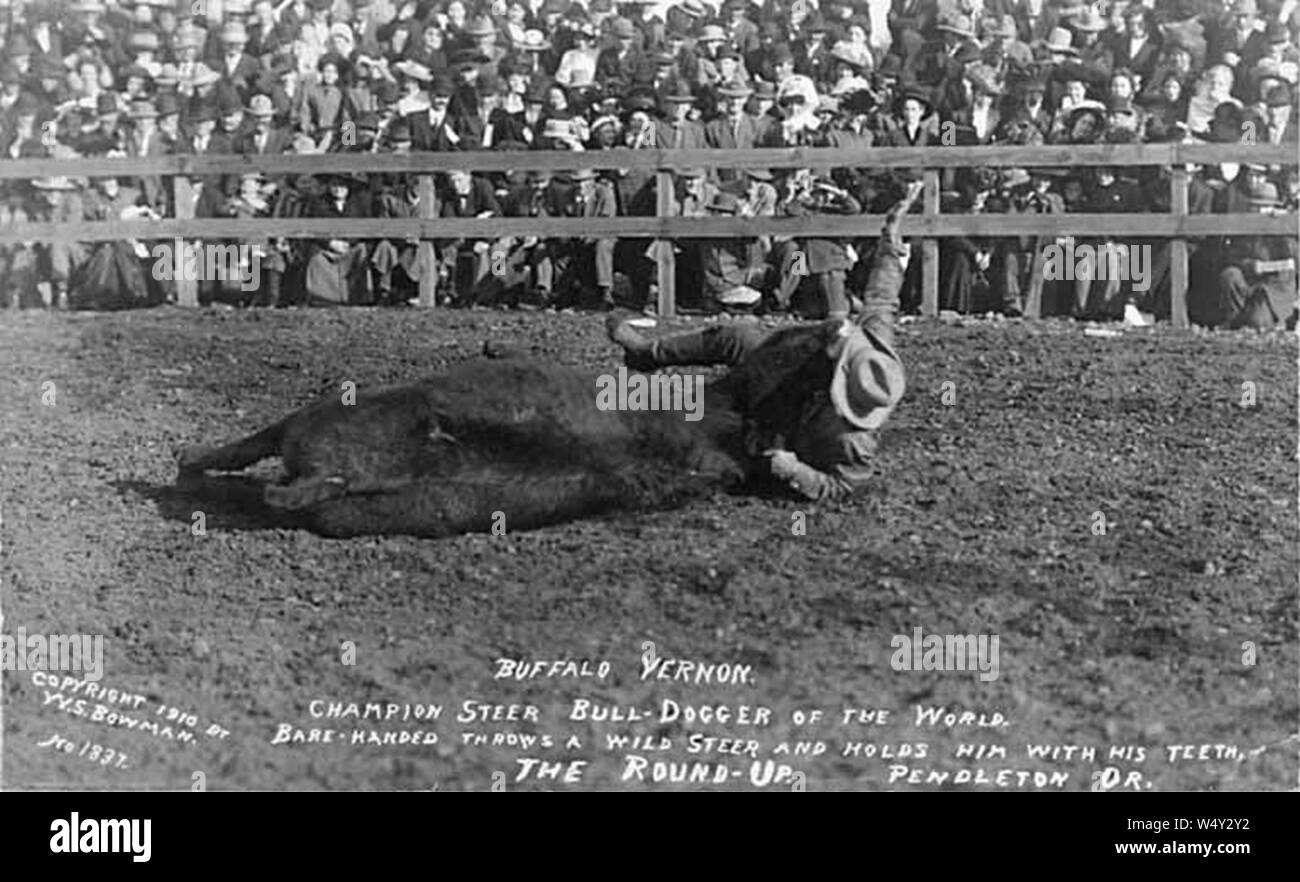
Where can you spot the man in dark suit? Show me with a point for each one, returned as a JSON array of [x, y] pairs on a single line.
[[263, 137], [1136, 49], [735, 129], [433, 129], [622, 62]]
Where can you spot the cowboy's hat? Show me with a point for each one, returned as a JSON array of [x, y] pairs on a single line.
[[868, 379]]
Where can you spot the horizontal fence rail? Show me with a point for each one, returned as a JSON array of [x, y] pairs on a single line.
[[1176, 226]]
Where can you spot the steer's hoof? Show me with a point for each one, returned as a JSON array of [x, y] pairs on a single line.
[[190, 458]]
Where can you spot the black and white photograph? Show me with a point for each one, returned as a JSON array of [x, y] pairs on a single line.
[[601, 396]]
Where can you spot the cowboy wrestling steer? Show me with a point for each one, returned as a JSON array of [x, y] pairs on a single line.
[[443, 456]]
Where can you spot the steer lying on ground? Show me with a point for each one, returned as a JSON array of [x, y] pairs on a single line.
[[446, 455]]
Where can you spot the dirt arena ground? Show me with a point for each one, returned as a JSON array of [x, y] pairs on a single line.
[[1115, 510]]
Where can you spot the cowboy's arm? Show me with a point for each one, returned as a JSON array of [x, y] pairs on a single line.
[[841, 480]]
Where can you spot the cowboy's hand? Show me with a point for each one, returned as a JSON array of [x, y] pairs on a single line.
[[782, 463]]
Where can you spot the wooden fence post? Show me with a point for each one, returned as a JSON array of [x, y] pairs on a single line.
[[426, 256], [1178, 275], [665, 259], [187, 290], [930, 247]]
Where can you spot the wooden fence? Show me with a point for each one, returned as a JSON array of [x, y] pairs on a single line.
[[1176, 225]]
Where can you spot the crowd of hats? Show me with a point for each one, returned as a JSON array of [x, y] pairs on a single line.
[[103, 65]]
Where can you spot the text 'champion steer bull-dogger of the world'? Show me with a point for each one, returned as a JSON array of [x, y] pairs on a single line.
[[525, 440]]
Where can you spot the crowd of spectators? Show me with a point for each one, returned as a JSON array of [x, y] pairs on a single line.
[[141, 79]]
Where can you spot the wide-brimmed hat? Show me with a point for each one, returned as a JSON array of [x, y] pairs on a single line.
[[680, 94], [712, 33], [855, 56], [234, 32], [1059, 40], [956, 23], [723, 203], [1089, 21], [399, 132], [558, 128], [479, 26], [622, 29], [261, 106], [204, 76], [693, 8], [441, 87], [735, 89], [916, 92], [867, 382], [413, 70], [56, 182], [143, 41], [1245, 7], [533, 40]]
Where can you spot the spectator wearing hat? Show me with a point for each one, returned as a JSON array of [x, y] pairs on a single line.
[[1246, 281], [267, 34], [263, 137], [736, 271], [1094, 62], [464, 264], [909, 20], [286, 91], [1003, 51], [578, 65], [811, 48], [337, 271], [849, 64], [815, 262], [734, 129], [145, 141], [742, 34], [1240, 41], [481, 35], [704, 64], [1281, 128], [1134, 48], [982, 118], [57, 200], [429, 49], [915, 118], [325, 105], [434, 129], [622, 61], [677, 131], [236, 66]]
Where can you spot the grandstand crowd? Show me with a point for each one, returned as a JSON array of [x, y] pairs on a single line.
[[142, 79]]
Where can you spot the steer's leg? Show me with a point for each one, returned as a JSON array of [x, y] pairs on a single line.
[[195, 458]]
